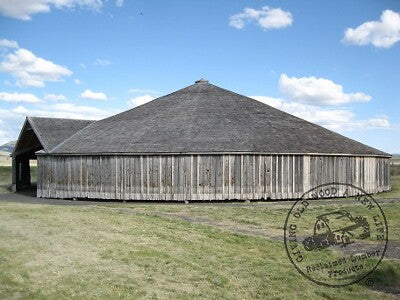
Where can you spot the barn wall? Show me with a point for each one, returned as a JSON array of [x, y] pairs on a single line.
[[204, 177]]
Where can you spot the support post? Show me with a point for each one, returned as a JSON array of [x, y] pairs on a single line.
[[14, 176]]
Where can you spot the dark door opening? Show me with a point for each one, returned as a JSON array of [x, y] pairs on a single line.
[[24, 172], [24, 160]]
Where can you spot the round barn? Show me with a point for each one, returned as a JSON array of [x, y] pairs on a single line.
[[205, 143]]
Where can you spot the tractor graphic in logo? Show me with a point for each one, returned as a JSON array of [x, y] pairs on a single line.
[[336, 228]]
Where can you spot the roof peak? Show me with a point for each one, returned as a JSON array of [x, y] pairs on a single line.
[[201, 80]]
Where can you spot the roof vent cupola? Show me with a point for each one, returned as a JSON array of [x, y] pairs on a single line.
[[201, 80]]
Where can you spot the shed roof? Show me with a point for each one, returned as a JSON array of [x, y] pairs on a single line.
[[204, 118], [52, 131]]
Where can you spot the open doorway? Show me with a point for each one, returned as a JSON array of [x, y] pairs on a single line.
[[24, 173], [24, 160]]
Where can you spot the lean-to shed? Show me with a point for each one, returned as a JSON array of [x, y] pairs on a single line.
[[205, 143], [39, 134]]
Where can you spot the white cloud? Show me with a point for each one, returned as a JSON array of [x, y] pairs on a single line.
[[143, 91], [14, 118], [384, 33], [382, 122], [24, 9], [267, 18], [88, 94], [4, 43], [77, 81], [333, 119], [119, 3], [102, 62], [19, 97], [136, 101], [64, 110], [30, 70], [319, 91], [54, 97]]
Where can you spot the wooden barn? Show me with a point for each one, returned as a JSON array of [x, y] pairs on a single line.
[[200, 143], [39, 134]]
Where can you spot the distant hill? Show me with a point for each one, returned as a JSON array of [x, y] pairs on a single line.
[[8, 147]]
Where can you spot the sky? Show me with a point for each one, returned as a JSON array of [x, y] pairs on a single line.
[[334, 63]]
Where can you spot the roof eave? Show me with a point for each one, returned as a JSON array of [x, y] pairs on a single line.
[[385, 155]]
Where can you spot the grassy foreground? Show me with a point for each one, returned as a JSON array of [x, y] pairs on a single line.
[[116, 252], [175, 251]]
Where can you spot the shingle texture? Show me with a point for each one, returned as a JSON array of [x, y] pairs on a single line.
[[52, 131], [204, 118]]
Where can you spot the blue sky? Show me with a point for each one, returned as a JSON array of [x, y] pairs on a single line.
[[335, 63]]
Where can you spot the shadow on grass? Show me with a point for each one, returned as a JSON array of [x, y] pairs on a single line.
[[5, 188], [386, 278]]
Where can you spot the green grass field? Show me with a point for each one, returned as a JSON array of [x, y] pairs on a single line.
[[146, 251], [175, 251]]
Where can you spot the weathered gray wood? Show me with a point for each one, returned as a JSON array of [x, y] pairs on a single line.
[[279, 177], [285, 179], [273, 176], [219, 176], [290, 174], [225, 177], [204, 177], [236, 174], [231, 168], [182, 178], [267, 177], [169, 177]]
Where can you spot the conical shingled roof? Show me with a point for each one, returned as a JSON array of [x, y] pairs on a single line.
[[204, 118]]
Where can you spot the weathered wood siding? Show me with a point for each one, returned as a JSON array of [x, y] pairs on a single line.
[[204, 177]]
